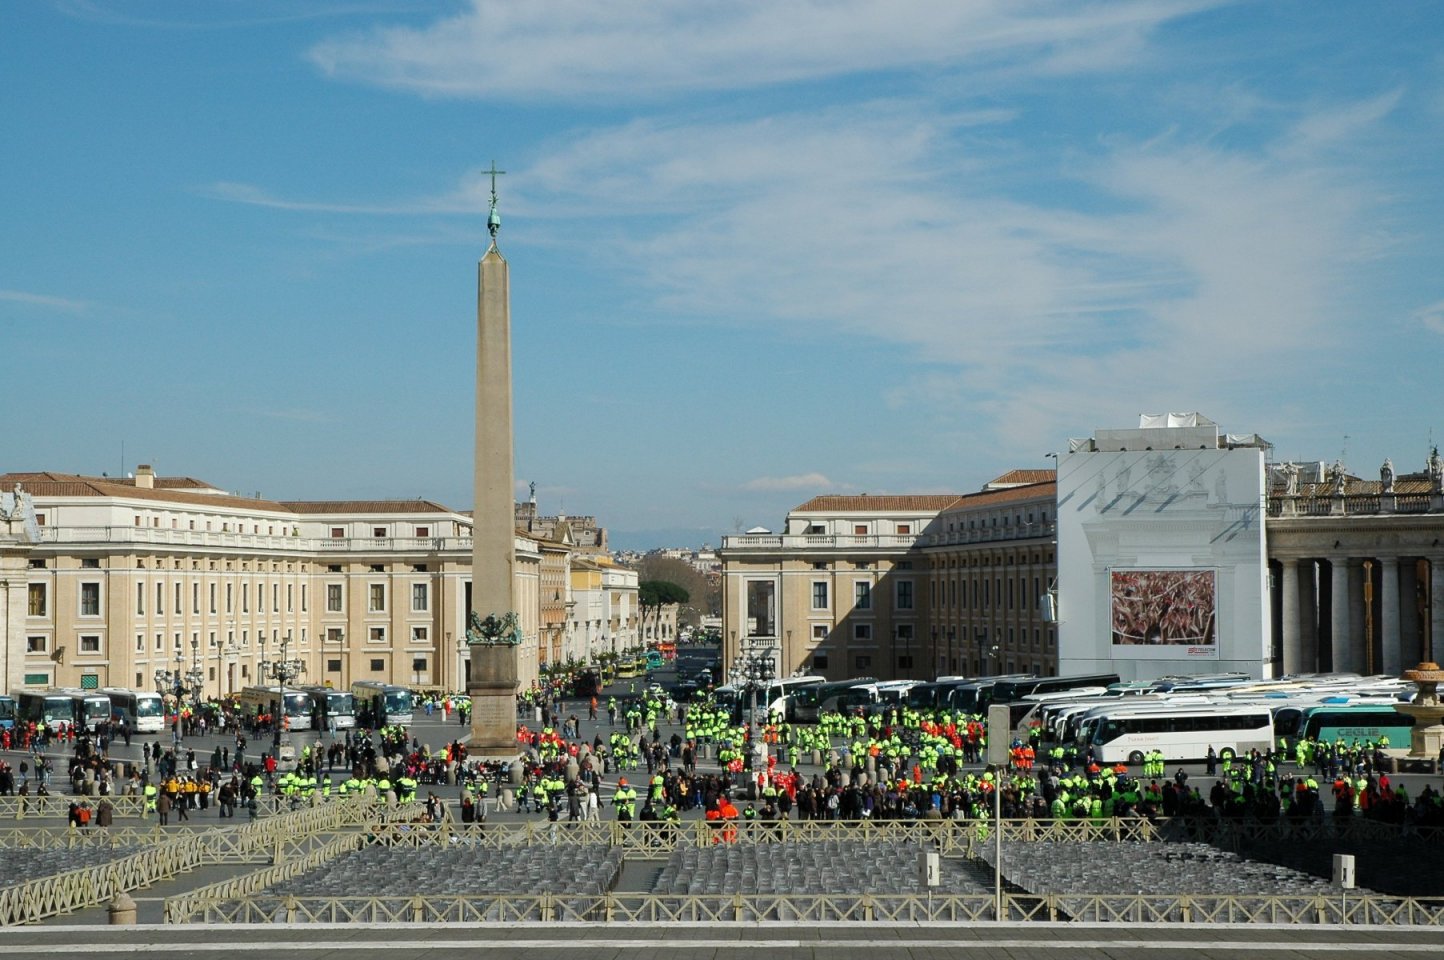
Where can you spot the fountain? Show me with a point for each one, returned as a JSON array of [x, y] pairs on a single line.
[[1428, 713]]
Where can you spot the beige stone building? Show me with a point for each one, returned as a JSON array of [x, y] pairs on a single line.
[[604, 616], [132, 576], [990, 561], [898, 587], [838, 592]]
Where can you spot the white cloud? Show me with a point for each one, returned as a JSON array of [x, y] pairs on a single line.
[[67, 304], [256, 196], [291, 414], [649, 48], [1431, 317], [1196, 277], [799, 481]]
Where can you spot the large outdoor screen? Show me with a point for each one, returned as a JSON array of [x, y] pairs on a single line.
[[1174, 608]]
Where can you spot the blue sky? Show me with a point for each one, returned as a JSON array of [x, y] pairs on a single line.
[[759, 250]]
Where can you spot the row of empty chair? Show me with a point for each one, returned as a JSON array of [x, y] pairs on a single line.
[[830, 867], [28, 863], [1162, 868], [458, 870]]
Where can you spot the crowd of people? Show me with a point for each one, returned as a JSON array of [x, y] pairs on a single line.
[[899, 764]]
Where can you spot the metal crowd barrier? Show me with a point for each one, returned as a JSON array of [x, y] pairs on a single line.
[[950, 837], [238, 904], [58, 806], [170, 851], [199, 904]]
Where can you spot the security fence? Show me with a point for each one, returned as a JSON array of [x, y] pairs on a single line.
[[202, 903], [71, 838], [90, 886], [950, 837], [254, 899], [58, 806], [133, 806], [168, 852], [249, 907]]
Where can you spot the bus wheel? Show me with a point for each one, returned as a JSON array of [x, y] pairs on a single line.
[[1136, 757], [1226, 753]]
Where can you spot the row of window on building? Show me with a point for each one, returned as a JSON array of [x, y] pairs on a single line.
[[975, 593], [38, 604]]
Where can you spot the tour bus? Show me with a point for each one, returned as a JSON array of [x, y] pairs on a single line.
[[925, 696], [803, 702], [1357, 722], [1023, 714], [382, 704], [1013, 690], [1078, 727], [331, 709], [90, 708], [257, 701], [737, 697], [882, 695], [774, 695], [1182, 732], [972, 696], [143, 712], [588, 684], [7, 713], [50, 708]]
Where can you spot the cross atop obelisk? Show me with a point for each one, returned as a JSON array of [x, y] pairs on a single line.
[[493, 219]]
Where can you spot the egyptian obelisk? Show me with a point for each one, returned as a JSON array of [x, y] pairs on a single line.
[[493, 544]]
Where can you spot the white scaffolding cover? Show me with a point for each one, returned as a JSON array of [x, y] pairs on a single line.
[[1148, 420]]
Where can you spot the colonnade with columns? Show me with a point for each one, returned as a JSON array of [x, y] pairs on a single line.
[[1357, 612]]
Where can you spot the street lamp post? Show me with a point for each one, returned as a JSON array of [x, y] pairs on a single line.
[[195, 676], [282, 670], [759, 667]]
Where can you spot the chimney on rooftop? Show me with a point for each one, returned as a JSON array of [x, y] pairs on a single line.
[[144, 477]]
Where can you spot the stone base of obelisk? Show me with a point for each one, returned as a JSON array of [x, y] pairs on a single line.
[[493, 703]]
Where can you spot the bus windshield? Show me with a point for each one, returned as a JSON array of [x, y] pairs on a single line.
[[96, 709], [148, 705], [398, 701]]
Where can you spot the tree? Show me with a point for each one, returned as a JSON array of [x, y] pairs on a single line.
[[657, 594], [704, 592]]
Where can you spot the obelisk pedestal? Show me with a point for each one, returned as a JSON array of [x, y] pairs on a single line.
[[493, 703]]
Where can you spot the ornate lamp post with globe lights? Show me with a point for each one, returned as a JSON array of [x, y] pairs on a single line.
[[759, 667], [283, 671], [195, 676]]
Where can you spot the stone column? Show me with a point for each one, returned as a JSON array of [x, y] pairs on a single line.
[[1391, 655], [1308, 573], [1410, 639], [1436, 607], [1289, 619], [1357, 659], [1339, 610]]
